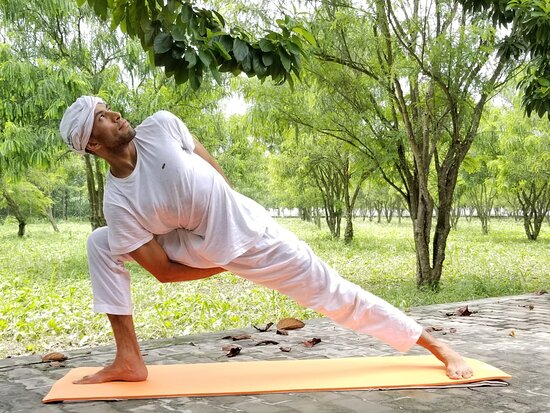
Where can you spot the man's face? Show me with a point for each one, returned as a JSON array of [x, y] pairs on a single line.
[[110, 130]]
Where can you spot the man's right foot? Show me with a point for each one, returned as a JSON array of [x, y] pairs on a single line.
[[114, 372]]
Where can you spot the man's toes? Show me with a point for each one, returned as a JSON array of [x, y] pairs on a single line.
[[453, 374]]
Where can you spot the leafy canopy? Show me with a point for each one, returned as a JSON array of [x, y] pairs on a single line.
[[529, 21], [189, 41]]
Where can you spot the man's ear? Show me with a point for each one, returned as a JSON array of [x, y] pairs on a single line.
[[92, 145]]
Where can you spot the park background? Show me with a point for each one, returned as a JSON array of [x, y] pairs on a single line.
[[406, 142]]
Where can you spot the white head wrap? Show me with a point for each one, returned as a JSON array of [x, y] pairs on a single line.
[[78, 121]]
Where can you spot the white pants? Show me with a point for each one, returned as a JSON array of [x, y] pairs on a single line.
[[279, 261]]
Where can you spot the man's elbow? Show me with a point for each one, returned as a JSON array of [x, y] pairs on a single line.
[[163, 275], [162, 278]]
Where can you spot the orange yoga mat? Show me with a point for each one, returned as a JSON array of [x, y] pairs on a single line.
[[255, 377]]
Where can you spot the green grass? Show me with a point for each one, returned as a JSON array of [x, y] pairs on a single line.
[[46, 294]]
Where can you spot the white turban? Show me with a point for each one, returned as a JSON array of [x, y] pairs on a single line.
[[78, 121]]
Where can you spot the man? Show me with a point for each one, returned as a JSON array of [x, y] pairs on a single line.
[[169, 207]]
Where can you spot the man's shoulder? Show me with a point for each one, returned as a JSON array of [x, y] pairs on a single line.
[[162, 119], [164, 114]]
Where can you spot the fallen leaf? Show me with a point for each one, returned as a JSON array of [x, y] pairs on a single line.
[[512, 333], [312, 342], [432, 329], [238, 337], [263, 330], [232, 350], [290, 324], [282, 332], [452, 330], [55, 356], [285, 349], [266, 342], [541, 292], [462, 312]]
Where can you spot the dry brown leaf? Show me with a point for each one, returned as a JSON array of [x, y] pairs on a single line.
[[285, 349], [266, 342], [282, 332], [55, 356], [512, 333], [432, 329], [290, 324], [462, 312], [232, 350], [238, 337], [312, 342], [263, 330]]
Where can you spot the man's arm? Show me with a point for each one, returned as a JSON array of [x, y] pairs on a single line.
[[153, 258], [204, 154]]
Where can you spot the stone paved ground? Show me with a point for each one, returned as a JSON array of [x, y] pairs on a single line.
[[512, 333]]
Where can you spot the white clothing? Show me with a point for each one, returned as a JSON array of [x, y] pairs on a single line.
[[278, 261], [178, 198], [171, 187], [77, 123]]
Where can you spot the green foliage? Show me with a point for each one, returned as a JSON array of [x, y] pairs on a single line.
[[189, 41], [31, 200], [529, 23], [46, 291]]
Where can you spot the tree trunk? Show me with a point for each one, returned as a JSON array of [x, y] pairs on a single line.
[[21, 230], [422, 224], [14, 209], [389, 214], [455, 215], [348, 233], [305, 214], [65, 207], [95, 183], [535, 204], [50, 217]]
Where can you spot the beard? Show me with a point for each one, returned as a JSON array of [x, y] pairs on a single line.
[[127, 134]]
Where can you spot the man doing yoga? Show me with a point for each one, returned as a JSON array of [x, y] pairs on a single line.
[[170, 208]]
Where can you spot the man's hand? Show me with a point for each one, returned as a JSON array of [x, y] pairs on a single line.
[[153, 258]]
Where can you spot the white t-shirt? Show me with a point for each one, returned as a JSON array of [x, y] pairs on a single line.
[[171, 187]]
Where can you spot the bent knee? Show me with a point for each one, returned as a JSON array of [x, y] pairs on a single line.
[[98, 239]]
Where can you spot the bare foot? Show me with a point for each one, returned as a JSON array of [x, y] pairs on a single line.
[[115, 372], [457, 368]]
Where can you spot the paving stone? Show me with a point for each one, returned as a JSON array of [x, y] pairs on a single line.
[[484, 335]]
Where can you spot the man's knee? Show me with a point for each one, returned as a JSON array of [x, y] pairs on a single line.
[[98, 239]]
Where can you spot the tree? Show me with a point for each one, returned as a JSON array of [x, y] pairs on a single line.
[[529, 24], [46, 182], [334, 168], [417, 78], [27, 131], [524, 166], [189, 41], [478, 180], [81, 58], [24, 200]]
